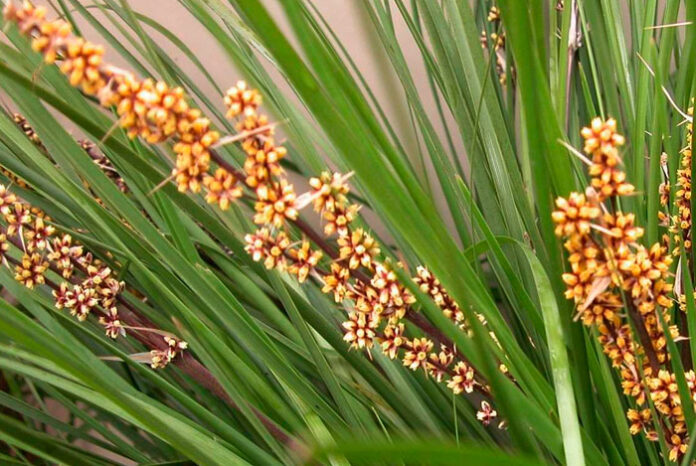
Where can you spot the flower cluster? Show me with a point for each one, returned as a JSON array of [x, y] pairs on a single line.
[[431, 285], [496, 40], [156, 112], [88, 285], [148, 109], [615, 281], [162, 357], [680, 225], [367, 286]]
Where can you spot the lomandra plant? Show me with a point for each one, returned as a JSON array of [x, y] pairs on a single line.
[[281, 271]]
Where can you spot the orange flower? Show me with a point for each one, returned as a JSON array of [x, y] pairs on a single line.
[[574, 215], [417, 353], [222, 188], [276, 204], [239, 99], [360, 330], [359, 248], [304, 260], [30, 271]]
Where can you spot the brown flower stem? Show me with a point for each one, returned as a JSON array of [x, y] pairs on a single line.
[[315, 237], [198, 372], [685, 349], [217, 158], [645, 340], [684, 329], [436, 334]]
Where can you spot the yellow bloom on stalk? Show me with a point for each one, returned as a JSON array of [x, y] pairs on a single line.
[[275, 204], [360, 330], [681, 222], [303, 260], [30, 271], [417, 353], [377, 298], [358, 248], [148, 109], [222, 188], [240, 99], [606, 263]]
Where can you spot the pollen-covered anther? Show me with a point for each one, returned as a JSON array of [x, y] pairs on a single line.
[[622, 227], [7, 200], [112, 323], [161, 358], [463, 378], [63, 253], [486, 413], [338, 220], [429, 284], [438, 363], [640, 420], [81, 300], [108, 291], [81, 62], [390, 292], [17, 217], [37, 234], [262, 164], [601, 136], [392, 340], [329, 190]]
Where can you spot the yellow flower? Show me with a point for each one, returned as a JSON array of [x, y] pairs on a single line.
[[239, 99], [358, 248], [30, 271]]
